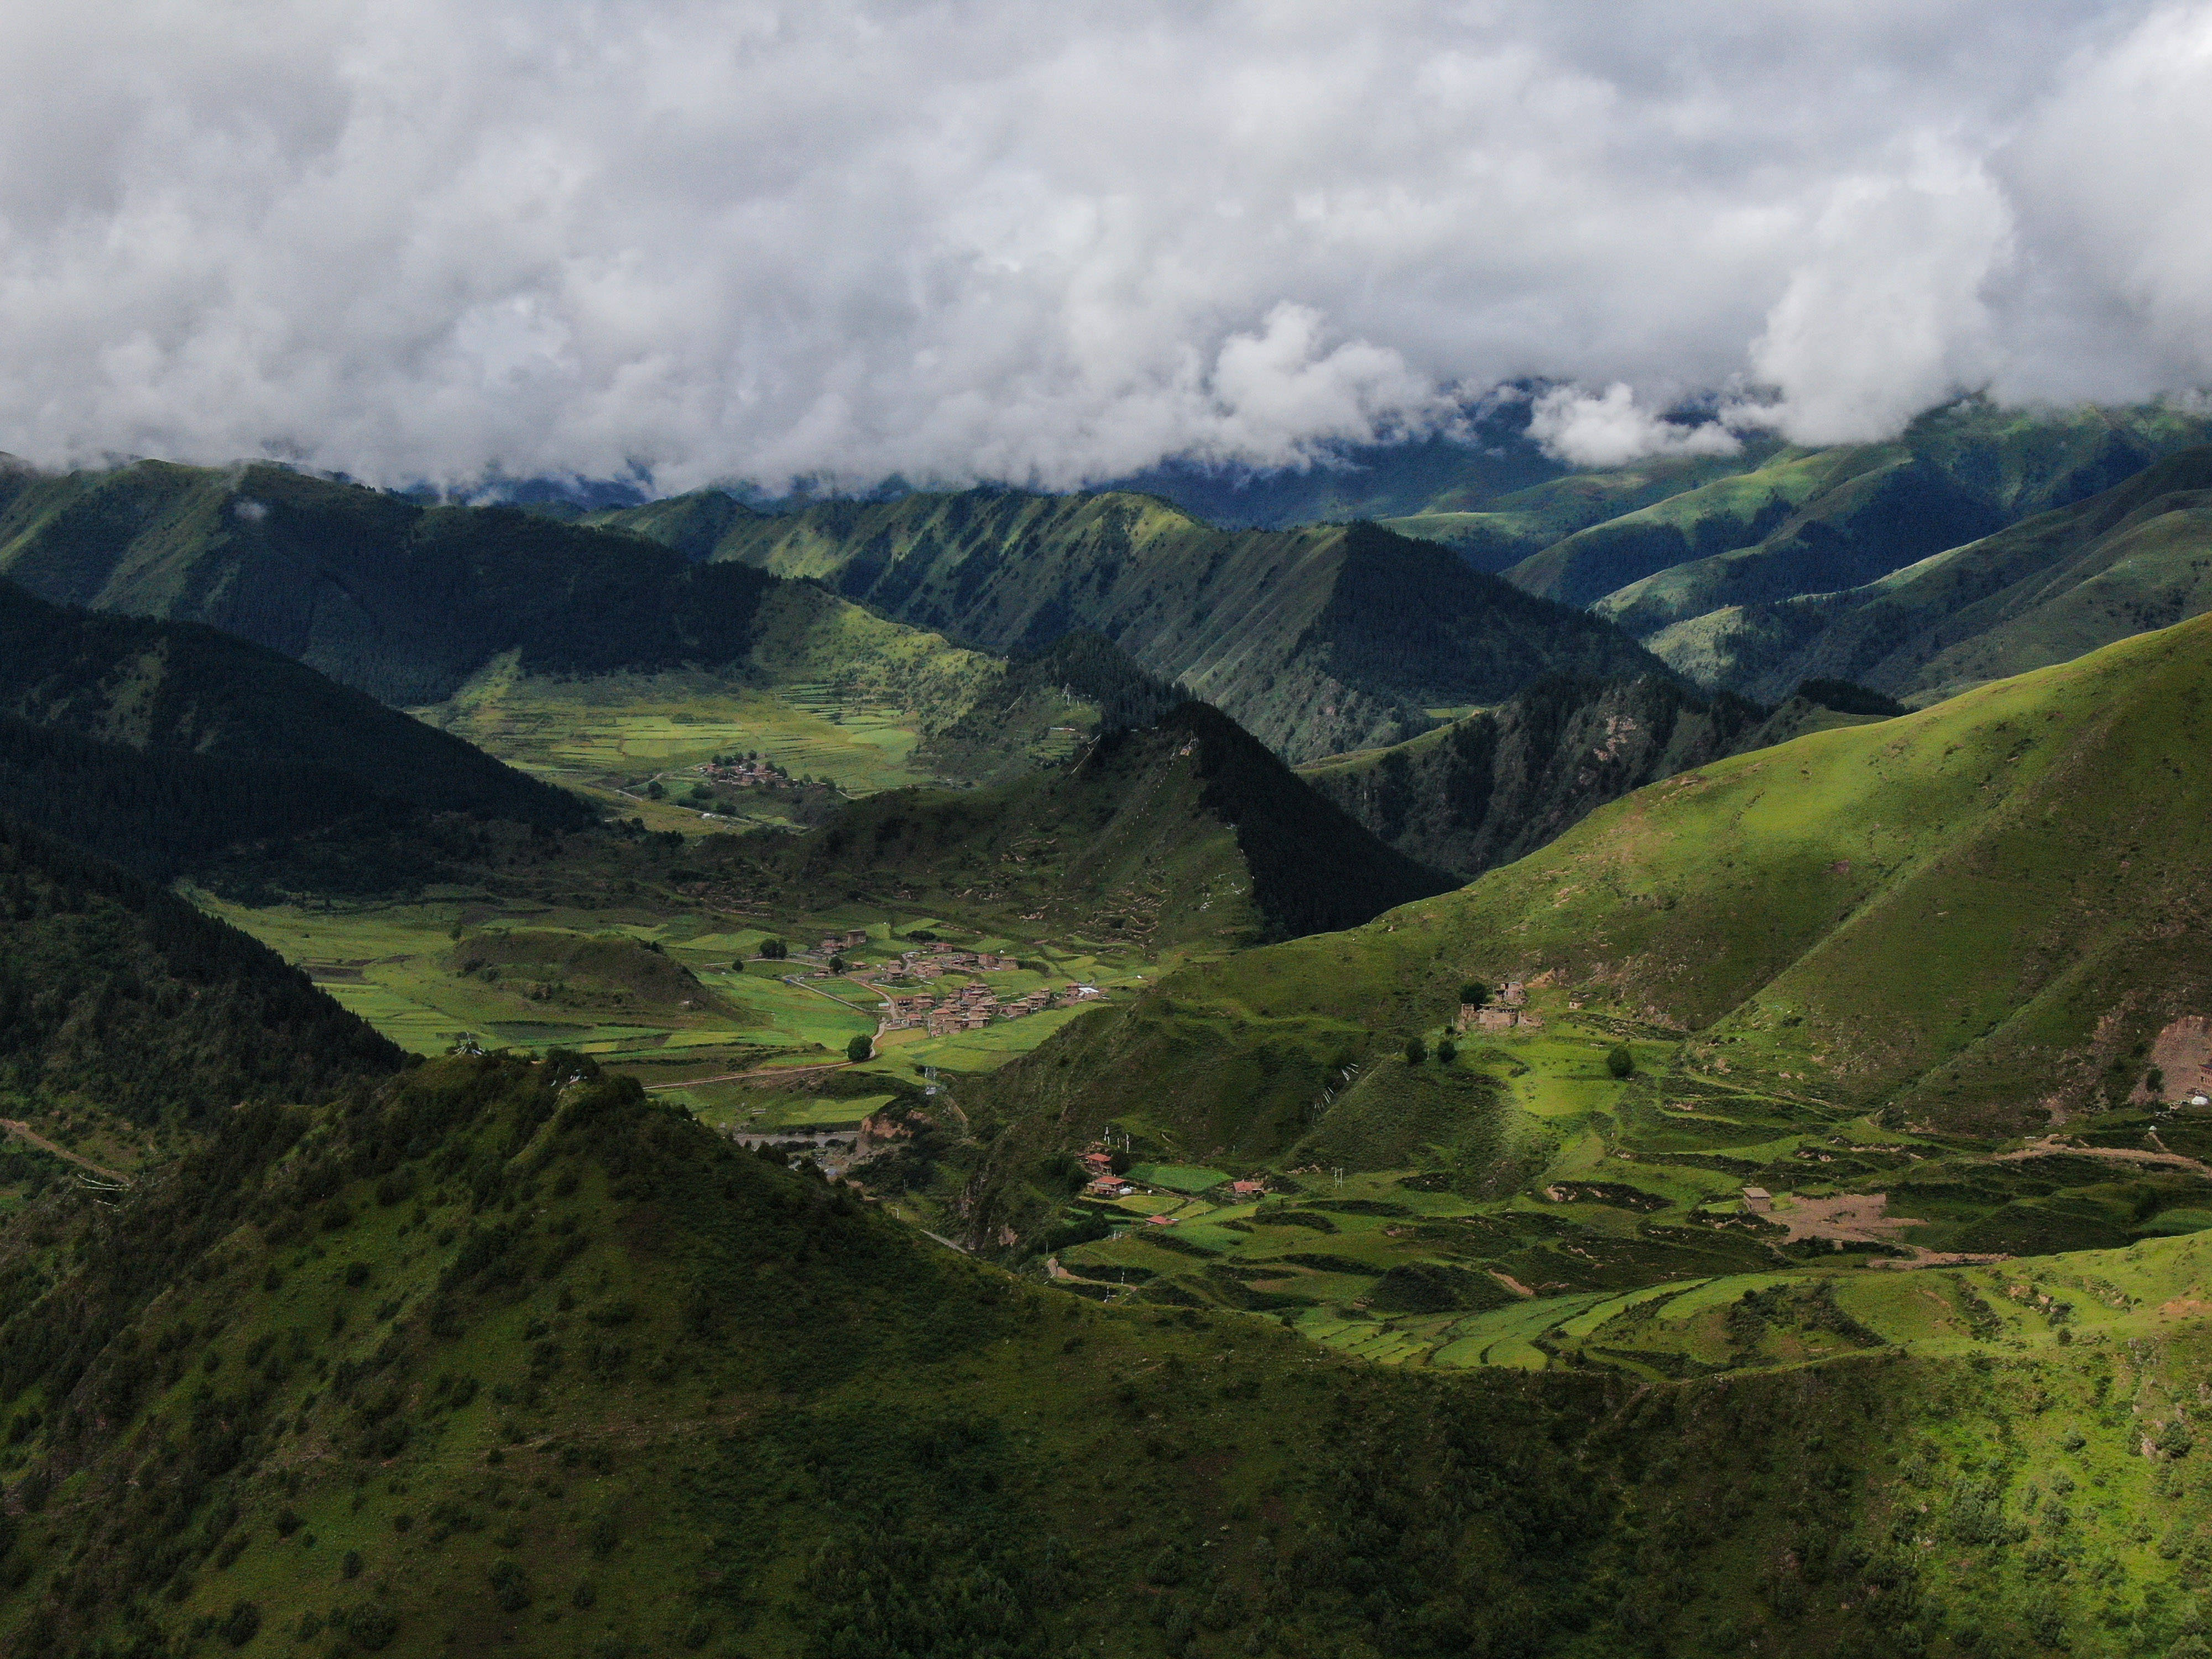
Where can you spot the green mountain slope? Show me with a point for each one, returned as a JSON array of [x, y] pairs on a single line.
[[1315, 640], [1815, 521], [508, 1356], [1487, 789], [1184, 832], [2047, 590], [400, 600], [1977, 916], [1506, 530]]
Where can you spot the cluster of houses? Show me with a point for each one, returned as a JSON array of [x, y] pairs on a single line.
[[971, 1008], [1508, 1013], [1103, 1182], [743, 772]]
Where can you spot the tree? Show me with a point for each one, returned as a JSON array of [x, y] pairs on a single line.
[[1474, 994], [1620, 1062], [859, 1048], [773, 949], [836, 964], [1447, 1051], [1416, 1051]]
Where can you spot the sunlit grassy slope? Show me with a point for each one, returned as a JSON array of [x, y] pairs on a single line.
[[1812, 521], [1977, 915]]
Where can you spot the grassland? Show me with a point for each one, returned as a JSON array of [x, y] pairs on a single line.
[[1737, 975]]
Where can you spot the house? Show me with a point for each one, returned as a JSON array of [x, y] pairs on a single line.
[[1109, 1186], [1161, 1220], [1494, 1019], [855, 936], [1248, 1188], [1099, 1160], [1758, 1200], [1513, 995]]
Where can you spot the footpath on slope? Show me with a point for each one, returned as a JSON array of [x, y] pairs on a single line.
[[23, 1131]]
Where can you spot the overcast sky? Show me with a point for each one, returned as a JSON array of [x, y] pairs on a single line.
[[1048, 241]]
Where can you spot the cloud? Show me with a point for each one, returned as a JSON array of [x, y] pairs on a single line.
[[1049, 243], [1609, 429]]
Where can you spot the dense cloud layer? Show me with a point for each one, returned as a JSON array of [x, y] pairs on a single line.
[[1055, 241]]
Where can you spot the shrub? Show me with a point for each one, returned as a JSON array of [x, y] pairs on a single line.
[[1447, 1051], [511, 1585], [1416, 1051], [243, 1624], [1620, 1062], [350, 1567]]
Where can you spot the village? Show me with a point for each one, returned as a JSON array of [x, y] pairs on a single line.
[[1510, 1013], [742, 771], [970, 1008]]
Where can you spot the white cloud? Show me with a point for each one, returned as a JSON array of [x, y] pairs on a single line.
[[1609, 429], [1053, 242]]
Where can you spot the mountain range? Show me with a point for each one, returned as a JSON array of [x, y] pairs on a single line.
[[1315, 640], [1619, 1151]]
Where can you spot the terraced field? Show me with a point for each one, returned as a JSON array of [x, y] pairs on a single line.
[[1634, 1245]]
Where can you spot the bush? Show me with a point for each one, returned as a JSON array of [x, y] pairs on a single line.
[[243, 1624], [1447, 1051], [511, 1585], [1620, 1062], [1416, 1051], [859, 1048]]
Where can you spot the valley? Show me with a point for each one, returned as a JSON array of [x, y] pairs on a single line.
[[762, 1126]]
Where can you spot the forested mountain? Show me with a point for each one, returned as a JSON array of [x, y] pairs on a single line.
[[2131, 558], [1315, 640], [1183, 830], [322, 1387], [1489, 788], [177, 689], [381, 592], [117, 993]]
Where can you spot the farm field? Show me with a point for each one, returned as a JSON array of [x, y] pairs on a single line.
[[645, 981], [1630, 1244], [608, 736]]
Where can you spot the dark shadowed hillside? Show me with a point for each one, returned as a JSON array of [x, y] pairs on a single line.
[[181, 690], [118, 993], [1487, 789], [1184, 832], [401, 600]]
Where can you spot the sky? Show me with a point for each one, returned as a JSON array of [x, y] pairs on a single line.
[[1050, 241]]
